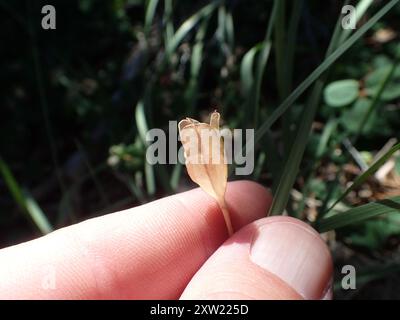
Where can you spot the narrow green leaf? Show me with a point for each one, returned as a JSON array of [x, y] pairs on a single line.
[[150, 179], [197, 54], [358, 214], [364, 176], [167, 20], [292, 164], [141, 121], [12, 184], [175, 176], [220, 33], [188, 25], [246, 70], [254, 98], [330, 127], [259, 165], [24, 200], [252, 71], [149, 16], [37, 215], [291, 43], [279, 39], [230, 30], [142, 127], [134, 186]]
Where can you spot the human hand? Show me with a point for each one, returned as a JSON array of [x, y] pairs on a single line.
[[175, 247]]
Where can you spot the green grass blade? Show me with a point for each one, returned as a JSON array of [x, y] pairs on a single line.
[[330, 127], [196, 61], [220, 33], [358, 214], [261, 65], [37, 215], [230, 30], [287, 69], [225, 30], [141, 121], [325, 65], [134, 187], [292, 164], [150, 171], [279, 40], [291, 43], [149, 16], [246, 70], [251, 72], [188, 25], [176, 176], [262, 62], [150, 179], [12, 184], [142, 127], [169, 26], [364, 176], [24, 200], [259, 166], [336, 37]]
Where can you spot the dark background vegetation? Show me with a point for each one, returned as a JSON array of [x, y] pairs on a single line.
[[75, 102]]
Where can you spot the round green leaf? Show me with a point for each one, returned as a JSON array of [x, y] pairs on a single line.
[[351, 118], [375, 78], [341, 93], [391, 92]]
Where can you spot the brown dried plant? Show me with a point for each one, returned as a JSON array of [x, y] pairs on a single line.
[[205, 159]]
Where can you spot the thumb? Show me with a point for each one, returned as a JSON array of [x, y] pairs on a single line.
[[272, 258]]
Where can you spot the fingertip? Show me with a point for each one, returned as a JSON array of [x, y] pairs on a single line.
[[273, 258], [295, 252], [248, 201]]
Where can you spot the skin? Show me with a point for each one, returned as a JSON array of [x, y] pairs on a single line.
[[175, 247]]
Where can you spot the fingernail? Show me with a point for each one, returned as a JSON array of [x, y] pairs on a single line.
[[296, 254]]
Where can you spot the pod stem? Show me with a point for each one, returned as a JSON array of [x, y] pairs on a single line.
[[226, 215]]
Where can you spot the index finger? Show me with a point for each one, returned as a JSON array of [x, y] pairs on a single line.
[[147, 252]]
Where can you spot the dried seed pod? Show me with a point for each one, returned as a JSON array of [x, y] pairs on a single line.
[[205, 159]]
